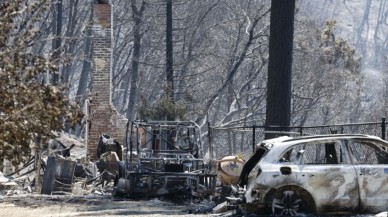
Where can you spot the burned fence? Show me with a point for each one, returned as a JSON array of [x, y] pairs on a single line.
[[242, 140]]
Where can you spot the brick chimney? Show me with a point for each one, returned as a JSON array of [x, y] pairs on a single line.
[[102, 117]]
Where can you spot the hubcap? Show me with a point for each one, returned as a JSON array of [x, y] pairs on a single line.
[[288, 205]]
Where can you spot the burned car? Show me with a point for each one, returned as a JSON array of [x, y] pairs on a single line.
[[326, 174]]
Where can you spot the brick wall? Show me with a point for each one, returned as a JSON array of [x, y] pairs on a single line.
[[102, 116]]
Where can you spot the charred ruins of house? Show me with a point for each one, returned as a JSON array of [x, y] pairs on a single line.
[[157, 157]]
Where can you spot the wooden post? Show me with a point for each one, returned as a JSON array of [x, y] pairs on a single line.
[[210, 146], [38, 158]]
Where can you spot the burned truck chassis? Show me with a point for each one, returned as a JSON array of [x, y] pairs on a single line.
[[161, 165], [151, 184]]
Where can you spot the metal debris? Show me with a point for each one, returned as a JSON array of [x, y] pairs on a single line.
[[58, 176], [161, 159]]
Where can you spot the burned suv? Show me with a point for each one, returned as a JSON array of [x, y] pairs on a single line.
[[327, 174]]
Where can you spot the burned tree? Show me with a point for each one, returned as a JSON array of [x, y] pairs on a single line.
[[30, 110], [169, 55], [137, 36]]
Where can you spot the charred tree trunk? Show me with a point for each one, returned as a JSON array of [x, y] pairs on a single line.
[[363, 29], [86, 64], [85, 71], [279, 67], [169, 66], [70, 42], [133, 94], [57, 31], [169, 53], [38, 157]]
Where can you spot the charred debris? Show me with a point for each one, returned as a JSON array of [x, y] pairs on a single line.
[[159, 160], [162, 158]]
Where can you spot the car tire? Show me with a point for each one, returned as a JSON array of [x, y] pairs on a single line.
[[289, 200]]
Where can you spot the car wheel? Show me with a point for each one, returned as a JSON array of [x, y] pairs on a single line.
[[290, 201]]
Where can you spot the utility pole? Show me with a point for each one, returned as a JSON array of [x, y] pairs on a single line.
[[278, 111]]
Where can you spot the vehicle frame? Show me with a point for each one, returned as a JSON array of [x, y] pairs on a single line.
[[279, 186], [161, 158]]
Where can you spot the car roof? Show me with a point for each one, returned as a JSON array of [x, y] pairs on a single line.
[[286, 140]]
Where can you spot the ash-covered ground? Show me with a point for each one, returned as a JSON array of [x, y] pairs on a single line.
[[46, 205]]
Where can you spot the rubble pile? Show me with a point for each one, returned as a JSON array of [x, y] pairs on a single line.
[[14, 186], [67, 171]]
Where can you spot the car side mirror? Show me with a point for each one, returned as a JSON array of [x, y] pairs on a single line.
[[285, 170]]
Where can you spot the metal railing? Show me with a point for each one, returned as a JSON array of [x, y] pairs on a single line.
[[242, 140]]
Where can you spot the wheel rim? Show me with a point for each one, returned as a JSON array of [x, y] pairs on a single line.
[[287, 205]]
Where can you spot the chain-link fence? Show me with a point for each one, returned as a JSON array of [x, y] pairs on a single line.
[[242, 140]]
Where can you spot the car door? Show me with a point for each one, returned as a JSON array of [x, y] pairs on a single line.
[[371, 164], [327, 173]]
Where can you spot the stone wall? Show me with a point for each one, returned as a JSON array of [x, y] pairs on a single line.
[[102, 117]]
